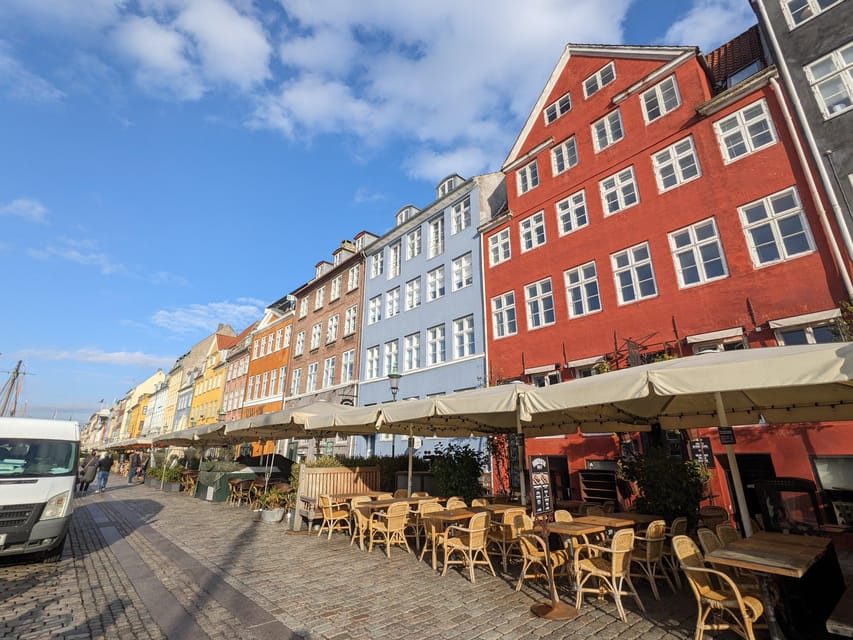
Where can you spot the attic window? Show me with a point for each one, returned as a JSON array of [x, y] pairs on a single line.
[[599, 79], [743, 73], [446, 186], [557, 109]]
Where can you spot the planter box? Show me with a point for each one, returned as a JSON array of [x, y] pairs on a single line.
[[172, 487], [272, 515]]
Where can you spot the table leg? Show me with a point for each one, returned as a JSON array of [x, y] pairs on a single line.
[[765, 583]]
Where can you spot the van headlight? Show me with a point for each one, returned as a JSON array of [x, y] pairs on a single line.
[[56, 506]]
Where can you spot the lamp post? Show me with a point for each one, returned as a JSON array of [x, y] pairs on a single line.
[[394, 380]]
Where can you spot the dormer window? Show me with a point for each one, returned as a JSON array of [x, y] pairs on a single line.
[[557, 109], [446, 186], [405, 213], [599, 79]]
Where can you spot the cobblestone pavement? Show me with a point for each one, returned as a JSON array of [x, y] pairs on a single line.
[[141, 563]]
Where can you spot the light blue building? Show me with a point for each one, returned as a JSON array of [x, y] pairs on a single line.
[[423, 312]]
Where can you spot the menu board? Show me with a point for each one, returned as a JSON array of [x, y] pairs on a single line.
[[727, 435], [540, 485], [700, 451]]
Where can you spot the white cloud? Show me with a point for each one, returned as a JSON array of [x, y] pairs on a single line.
[[364, 195], [26, 208], [711, 23], [206, 317], [74, 17], [77, 253], [20, 84], [123, 358]]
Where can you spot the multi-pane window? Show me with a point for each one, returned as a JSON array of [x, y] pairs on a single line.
[[619, 191], [503, 315], [413, 243], [676, 164], [412, 356], [266, 379], [282, 377], [499, 247], [311, 377], [572, 213], [374, 310], [807, 334], [435, 344], [299, 347], [347, 366], [319, 297], [263, 350], [539, 298], [463, 337], [295, 381], [273, 375], [660, 99], [353, 276], [527, 177], [329, 372], [278, 339], [564, 156], [461, 271], [582, 290], [391, 362], [633, 273], [392, 302], [531, 231], [255, 346], [608, 130], [831, 79], [776, 228], [371, 363], [335, 293], [460, 216], [436, 237], [377, 261], [698, 253], [303, 307], [599, 79], [798, 11], [332, 328], [435, 284], [269, 344], [350, 320], [316, 331], [413, 293], [745, 131], [394, 255], [558, 108]]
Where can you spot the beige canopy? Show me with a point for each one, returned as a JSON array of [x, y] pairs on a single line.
[[287, 423]]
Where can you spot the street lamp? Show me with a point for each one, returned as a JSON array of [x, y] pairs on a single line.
[[394, 381]]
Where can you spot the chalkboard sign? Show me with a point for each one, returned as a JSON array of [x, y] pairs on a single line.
[[540, 485], [700, 451], [727, 435]]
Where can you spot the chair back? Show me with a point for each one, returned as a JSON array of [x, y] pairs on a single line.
[[608, 506], [325, 503], [424, 509], [420, 494], [397, 514], [479, 526], [655, 537], [620, 551], [385, 496], [595, 510], [531, 545], [713, 515], [479, 502], [401, 493], [690, 557], [358, 500], [455, 502], [708, 539], [727, 533], [561, 515], [678, 526]]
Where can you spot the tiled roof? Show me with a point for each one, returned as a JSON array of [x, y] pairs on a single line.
[[734, 55]]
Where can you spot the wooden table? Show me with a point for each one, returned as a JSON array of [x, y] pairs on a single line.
[[346, 497], [449, 516], [499, 508], [608, 522], [638, 518], [768, 555], [572, 506]]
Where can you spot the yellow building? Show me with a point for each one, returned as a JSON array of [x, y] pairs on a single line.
[[210, 383]]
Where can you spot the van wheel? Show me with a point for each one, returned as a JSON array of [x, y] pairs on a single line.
[[55, 554]]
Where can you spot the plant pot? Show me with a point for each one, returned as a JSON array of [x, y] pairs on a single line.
[[272, 515]]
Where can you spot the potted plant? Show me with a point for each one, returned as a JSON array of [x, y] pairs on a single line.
[[272, 503], [171, 479]]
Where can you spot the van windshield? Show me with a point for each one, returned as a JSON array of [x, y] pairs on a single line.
[[34, 458]]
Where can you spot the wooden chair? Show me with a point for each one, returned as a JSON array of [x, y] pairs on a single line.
[[536, 556], [389, 527], [469, 543], [233, 491], [647, 556], [504, 534], [244, 491], [336, 516], [668, 559], [611, 566], [433, 532], [727, 533], [727, 608], [455, 502], [561, 515]]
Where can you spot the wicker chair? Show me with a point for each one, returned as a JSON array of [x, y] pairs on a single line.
[[243, 491], [420, 494], [401, 493], [668, 559], [709, 542], [359, 520], [384, 496], [390, 527], [336, 516], [233, 491], [595, 510], [727, 533], [469, 543], [648, 554], [479, 502], [710, 516], [536, 556], [504, 534], [455, 502], [415, 523], [433, 532], [727, 608], [608, 506], [561, 515], [612, 569]]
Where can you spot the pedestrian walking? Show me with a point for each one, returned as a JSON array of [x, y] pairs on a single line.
[[87, 472], [105, 463], [135, 462], [143, 468]]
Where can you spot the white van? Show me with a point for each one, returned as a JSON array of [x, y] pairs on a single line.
[[38, 472]]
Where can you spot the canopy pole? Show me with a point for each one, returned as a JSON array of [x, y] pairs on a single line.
[[520, 444], [411, 446], [734, 469]]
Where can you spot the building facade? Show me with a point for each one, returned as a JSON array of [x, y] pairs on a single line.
[[268, 359], [236, 374]]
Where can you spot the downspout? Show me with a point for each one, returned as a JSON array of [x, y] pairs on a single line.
[[838, 258], [807, 134]]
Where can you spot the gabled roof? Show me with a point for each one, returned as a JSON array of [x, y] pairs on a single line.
[[737, 53], [610, 51]]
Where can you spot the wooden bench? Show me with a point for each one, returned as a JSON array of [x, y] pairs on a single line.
[[307, 510], [840, 622]]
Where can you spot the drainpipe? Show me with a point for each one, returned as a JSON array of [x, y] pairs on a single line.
[[838, 258], [807, 134]]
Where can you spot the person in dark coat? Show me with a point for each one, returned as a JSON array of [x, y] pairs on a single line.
[[135, 462], [105, 463], [87, 472]]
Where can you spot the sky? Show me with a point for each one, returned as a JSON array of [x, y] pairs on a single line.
[[169, 165]]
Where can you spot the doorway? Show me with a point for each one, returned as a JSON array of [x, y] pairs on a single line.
[[559, 469], [752, 466]]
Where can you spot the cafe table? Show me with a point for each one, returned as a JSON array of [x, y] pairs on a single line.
[[638, 518], [608, 522], [770, 555], [346, 497]]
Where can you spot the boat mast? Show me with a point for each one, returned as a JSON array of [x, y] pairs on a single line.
[[12, 386]]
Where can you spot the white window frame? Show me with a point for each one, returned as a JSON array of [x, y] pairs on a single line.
[[463, 337], [320, 297], [572, 213], [557, 109], [391, 359], [435, 284], [392, 302], [413, 293], [531, 232], [582, 290], [376, 264], [299, 347], [539, 302], [564, 156], [295, 381], [621, 188], [808, 331], [332, 328], [371, 363], [335, 291], [500, 247], [288, 330], [347, 366], [316, 332], [657, 97], [412, 355], [278, 334], [842, 72], [351, 320], [353, 277], [303, 307], [811, 9], [395, 254], [607, 131], [436, 353], [527, 177], [329, 372], [460, 215], [772, 219], [679, 162], [462, 272], [504, 317], [413, 243], [633, 267], [436, 237], [374, 309], [311, 377], [742, 127], [698, 241], [601, 78]]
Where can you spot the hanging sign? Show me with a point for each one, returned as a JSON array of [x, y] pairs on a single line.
[[700, 451], [727, 435], [540, 485]]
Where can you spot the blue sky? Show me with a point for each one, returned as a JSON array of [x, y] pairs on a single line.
[[166, 165]]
